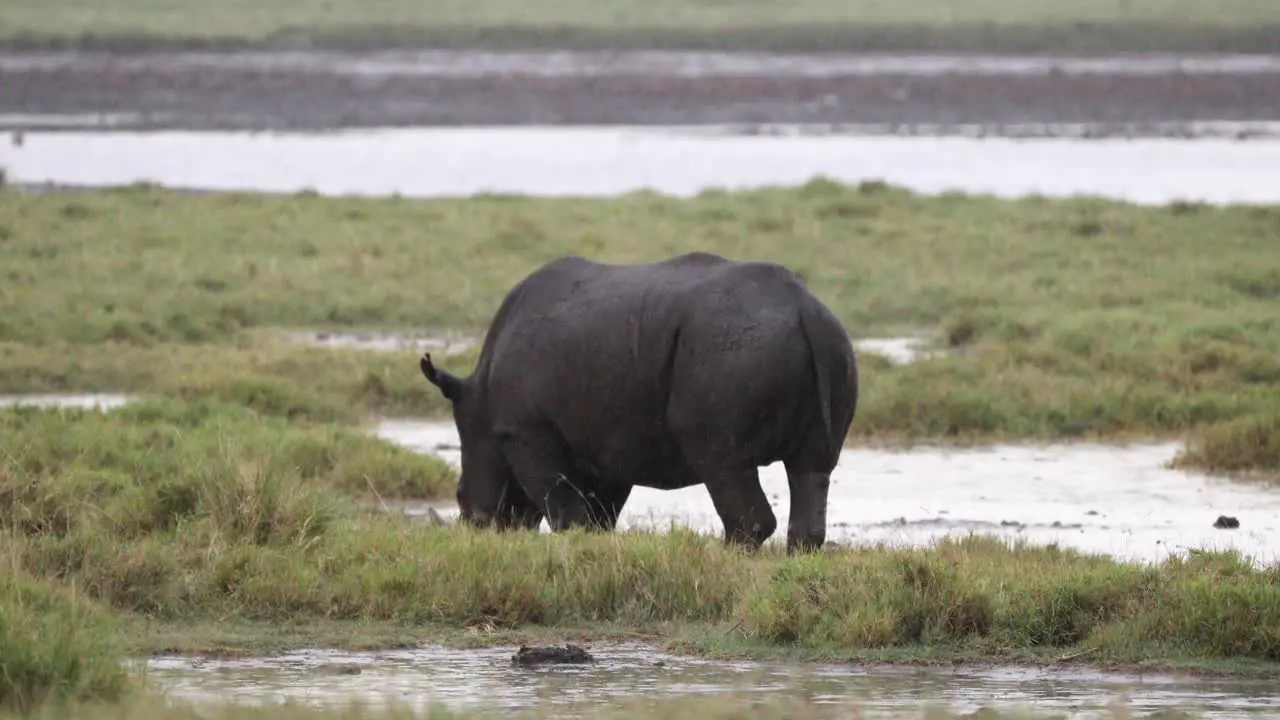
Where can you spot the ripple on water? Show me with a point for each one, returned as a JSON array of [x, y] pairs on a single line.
[[485, 680]]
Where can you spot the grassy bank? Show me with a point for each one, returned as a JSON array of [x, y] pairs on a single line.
[[808, 25], [1078, 318], [153, 463], [212, 526]]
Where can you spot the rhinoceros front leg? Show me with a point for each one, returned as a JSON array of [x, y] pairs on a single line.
[[540, 463], [606, 503], [517, 511], [742, 506]]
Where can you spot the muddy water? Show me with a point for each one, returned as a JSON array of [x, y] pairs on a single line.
[[485, 680], [610, 161], [1115, 500]]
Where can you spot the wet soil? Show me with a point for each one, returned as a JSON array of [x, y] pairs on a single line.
[[1162, 96]]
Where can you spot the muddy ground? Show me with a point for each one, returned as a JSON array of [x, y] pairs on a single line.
[[272, 91]]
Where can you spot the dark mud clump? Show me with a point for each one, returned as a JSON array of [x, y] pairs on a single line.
[[1226, 522], [567, 655]]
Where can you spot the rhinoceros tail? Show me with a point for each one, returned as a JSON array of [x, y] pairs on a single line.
[[824, 349]]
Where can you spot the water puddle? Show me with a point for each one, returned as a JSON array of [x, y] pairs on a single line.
[[1097, 498], [485, 680], [587, 161], [83, 402], [896, 349], [386, 341]]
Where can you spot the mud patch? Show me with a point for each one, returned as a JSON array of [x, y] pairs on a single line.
[[567, 655], [1120, 501], [486, 680]]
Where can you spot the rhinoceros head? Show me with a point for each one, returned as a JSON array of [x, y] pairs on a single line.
[[486, 485]]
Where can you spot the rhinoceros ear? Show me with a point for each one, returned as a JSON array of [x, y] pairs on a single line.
[[450, 386]]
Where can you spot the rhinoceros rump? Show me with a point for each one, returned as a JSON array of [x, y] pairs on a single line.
[[596, 378]]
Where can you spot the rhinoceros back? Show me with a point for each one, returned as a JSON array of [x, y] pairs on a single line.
[[622, 359]]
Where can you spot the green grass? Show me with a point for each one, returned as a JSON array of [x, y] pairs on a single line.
[[152, 463], [1069, 319], [54, 645], [979, 25], [1248, 444], [195, 531], [193, 525]]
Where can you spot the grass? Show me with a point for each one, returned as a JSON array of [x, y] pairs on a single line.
[[195, 531], [54, 645], [194, 525], [1248, 444], [150, 464], [807, 25], [1068, 319]]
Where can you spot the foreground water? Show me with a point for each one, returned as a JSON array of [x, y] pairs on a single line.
[[485, 680], [678, 161]]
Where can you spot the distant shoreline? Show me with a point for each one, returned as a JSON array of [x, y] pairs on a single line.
[[1087, 38], [1166, 96]]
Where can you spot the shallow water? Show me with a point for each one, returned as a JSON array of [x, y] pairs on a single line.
[[570, 63], [91, 401], [677, 161], [1115, 500], [385, 341], [485, 679]]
